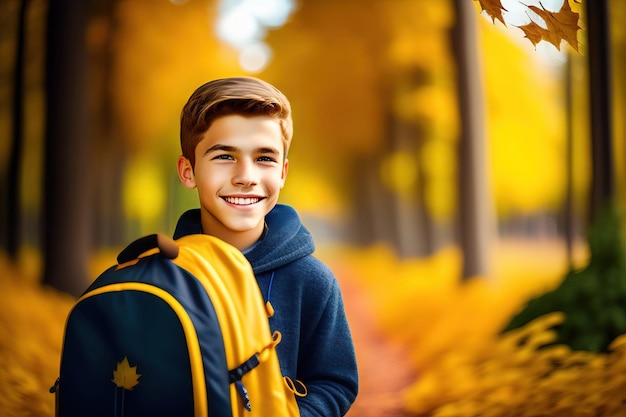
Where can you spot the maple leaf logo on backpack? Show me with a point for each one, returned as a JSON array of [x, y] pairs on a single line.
[[125, 377]]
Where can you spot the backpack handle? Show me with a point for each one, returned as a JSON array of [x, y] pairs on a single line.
[[166, 245]]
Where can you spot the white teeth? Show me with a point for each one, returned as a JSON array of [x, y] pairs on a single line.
[[242, 201]]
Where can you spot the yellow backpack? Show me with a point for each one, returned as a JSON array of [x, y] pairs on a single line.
[[177, 328]]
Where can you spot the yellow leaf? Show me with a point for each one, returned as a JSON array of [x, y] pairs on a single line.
[[535, 33], [493, 8], [619, 344], [562, 25], [125, 376]]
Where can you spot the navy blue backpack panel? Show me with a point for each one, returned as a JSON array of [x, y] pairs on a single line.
[[141, 320]]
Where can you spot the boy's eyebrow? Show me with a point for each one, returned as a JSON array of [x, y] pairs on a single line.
[[268, 150], [228, 148], [220, 147]]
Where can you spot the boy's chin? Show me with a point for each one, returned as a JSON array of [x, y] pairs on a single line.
[[246, 225]]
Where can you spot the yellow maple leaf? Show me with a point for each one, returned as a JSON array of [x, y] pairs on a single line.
[[536, 33], [562, 25], [494, 9], [125, 376]]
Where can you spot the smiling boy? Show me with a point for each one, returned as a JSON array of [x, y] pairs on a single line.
[[235, 136]]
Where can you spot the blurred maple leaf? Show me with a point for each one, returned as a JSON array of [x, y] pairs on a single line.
[[125, 376], [561, 25]]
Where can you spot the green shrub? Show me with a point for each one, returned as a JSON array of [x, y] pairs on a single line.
[[593, 298]]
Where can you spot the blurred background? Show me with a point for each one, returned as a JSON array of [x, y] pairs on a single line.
[[448, 163]]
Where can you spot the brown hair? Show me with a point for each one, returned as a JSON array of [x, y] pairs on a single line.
[[246, 96]]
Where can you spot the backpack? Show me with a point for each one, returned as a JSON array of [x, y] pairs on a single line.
[[177, 328]]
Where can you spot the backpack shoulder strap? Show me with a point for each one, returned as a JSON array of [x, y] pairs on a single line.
[[166, 246]]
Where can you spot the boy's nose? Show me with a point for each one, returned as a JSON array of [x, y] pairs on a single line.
[[245, 175]]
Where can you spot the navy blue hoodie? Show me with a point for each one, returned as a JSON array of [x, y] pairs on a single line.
[[316, 346]]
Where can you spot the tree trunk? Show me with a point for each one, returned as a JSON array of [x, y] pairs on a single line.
[[602, 182], [12, 220], [474, 209], [66, 214], [413, 226], [569, 212], [108, 216], [372, 221]]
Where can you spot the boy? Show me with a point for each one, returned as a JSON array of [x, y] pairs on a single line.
[[235, 135]]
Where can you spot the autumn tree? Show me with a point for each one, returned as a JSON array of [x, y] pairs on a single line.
[[110, 161], [67, 171], [476, 224], [12, 218], [563, 25], [372, 99], [600, 80]]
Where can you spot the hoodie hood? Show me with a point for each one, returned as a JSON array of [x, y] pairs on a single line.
[[285, 240]]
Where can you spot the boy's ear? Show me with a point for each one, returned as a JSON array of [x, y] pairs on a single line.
[[185, 172], [283, 175]]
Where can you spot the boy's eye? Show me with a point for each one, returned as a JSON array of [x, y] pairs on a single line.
[[223, 156], [266, 159]]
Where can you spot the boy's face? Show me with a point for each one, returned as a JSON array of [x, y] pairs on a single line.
[[240, 169]]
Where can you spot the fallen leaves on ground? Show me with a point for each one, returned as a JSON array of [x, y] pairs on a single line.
[[434, 337]]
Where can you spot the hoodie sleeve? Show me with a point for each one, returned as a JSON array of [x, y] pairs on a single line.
[[327, 362]]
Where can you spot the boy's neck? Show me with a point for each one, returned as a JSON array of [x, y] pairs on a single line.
[[240, 240]]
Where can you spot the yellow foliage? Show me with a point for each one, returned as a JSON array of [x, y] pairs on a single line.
[[32, 320], [525, 125], [310, 194], [515, 378], [398, 172], [144, 189], [446, 314], [163, 52], [440, 183], [423, 20], [465, 368]]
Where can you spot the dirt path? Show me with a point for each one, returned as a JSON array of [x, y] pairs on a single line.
[[384, 371]]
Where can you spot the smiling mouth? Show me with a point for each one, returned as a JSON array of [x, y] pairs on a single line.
[[242, 201]]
